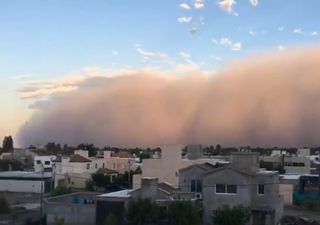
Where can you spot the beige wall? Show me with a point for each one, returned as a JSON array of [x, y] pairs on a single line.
[[286, 190], [167, 167]]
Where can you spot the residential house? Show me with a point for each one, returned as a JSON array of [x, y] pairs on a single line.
[[74, 170], [116, 203], [121, 161], [241, 182], [27, 182], [75, 208], [166, 168]]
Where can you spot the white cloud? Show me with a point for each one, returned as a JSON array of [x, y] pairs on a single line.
[[314, 33], [184, 6], [281, 48], [184, 19], [254, 2], [21, 77], [148, 54], [298, 31], [199, 4], [215, 57], [227, 5], [185, 55], [236, 47], [251, 32], [226, 42]]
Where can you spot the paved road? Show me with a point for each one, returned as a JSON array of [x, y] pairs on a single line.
[[297, 212]]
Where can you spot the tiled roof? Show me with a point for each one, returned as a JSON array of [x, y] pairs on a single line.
[[122, 155], [167, 187], [106, 171], [58, 159], [204, 166], [40, 152], [79, 158]]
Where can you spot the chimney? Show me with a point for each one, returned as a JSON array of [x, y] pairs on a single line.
[[245, 161], [149, 188]]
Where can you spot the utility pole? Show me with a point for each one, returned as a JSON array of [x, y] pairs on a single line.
[[41, 195], [129, 174], [53, 174]]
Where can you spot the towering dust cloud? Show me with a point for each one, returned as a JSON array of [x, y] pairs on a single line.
[[271, 101]]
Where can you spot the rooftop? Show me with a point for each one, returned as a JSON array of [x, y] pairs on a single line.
[[24, 175], [79, 158], [118, 194]]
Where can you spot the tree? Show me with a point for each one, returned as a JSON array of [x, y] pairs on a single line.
[[142, 212], [237, 215], [61, 190], [111, 220], [4, 205], [183, 213], [7, 144], [58, 221]]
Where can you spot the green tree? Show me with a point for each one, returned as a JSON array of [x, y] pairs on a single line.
[[61, 190], [111, 220], [7, 144], [142, 212], [4, 205], [183, 213], [237, 215], [58, 221]]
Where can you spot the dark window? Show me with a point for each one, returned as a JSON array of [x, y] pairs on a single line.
[[231, 189], [220, 188], [47, 162], [88, 166], [301, 164], [102, 165], [261, 189], [193, 185], [199, 186], [38, 161], [295, 164], [96, 165]]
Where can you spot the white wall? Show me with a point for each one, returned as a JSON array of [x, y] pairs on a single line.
[[43, 162], [28, 186]]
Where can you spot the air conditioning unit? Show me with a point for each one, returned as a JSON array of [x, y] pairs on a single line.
[[199, 196]]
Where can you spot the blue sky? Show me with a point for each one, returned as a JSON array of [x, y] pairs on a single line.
[[49, 39]]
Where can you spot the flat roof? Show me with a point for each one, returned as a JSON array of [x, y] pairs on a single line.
[[118, 194], [263, 171], [24, 175]]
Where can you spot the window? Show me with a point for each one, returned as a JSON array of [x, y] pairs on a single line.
[[295, 164], [220, 188], [199, 186], [102, 165], [96, 166], [88, 166], [38, 161], [47, 162], [195, 186], [301, 164], [226, 189], [260, 189], [232, 189]]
